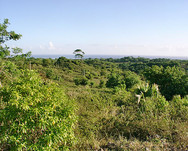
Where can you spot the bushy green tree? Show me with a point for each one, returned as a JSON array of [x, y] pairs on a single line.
[[81, 81], [131, 79], [6, 36], [64, 63], [171, 80], [47, 62], [114, 80]]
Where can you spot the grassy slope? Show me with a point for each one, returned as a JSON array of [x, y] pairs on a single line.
[[113, 120], [102, 123]]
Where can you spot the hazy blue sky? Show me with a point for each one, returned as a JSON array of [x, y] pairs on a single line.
[[121, 27]]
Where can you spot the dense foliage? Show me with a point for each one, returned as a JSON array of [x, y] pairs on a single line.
[[171, 80], [35, 114], [117, 106], [5, 36]]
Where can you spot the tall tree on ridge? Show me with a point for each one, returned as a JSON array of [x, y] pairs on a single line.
[[79, 53]]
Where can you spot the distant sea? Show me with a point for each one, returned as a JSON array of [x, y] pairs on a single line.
[[108, 56]]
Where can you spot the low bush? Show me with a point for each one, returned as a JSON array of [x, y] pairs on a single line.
[[81, 81], [35, 115]]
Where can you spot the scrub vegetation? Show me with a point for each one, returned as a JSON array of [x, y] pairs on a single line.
[[91, 104]]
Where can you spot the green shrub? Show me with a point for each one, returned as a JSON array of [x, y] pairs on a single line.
[[103, 73], [81, 81], [89, 76], [179, 108], [146, 90], [171, 80], [119, 88], [114, 80], [131, 79], [50, 74], [35, 115], [92, 84], [46, 62], [8, 71], [102, 84]]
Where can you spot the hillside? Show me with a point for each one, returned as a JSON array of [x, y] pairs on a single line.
[[120, 104]]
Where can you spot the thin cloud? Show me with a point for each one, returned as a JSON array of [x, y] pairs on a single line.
[[51, 46]]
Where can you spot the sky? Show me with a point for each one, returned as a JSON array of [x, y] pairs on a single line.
[[103, 27]]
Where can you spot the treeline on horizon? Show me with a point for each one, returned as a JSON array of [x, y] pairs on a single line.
[[91, 104]]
